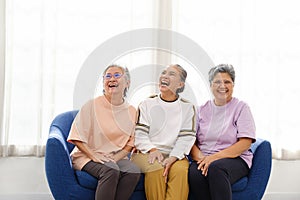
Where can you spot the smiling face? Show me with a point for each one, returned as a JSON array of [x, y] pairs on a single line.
[[222, 88], [114, 82], [170, 82]]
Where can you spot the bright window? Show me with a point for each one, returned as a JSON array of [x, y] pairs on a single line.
[[46, 44], [48, 41], [260, 39]]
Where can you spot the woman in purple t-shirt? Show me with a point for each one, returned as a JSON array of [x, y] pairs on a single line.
[[225, 131]]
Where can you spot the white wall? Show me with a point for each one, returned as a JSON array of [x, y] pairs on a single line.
[[284, 181], [22, 175]]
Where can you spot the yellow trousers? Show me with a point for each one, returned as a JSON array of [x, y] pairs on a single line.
[[176, 187]]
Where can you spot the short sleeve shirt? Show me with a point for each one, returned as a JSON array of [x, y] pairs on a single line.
[[219, 127], [105, 128]]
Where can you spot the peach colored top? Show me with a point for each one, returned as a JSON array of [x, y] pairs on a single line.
[[103, 127]]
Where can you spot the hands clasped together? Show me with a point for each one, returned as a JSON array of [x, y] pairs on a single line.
[[204, 162]]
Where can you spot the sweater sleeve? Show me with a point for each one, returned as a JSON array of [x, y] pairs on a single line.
[[142, 141], [187, 135]]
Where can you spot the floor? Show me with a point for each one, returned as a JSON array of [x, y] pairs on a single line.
[[281, 196], [49, 197]]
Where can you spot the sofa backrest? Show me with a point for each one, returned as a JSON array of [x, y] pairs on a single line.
[[63, 122], [256, 144]]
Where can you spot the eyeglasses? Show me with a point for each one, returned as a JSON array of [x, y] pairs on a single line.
[[225, 82], [115, 75]]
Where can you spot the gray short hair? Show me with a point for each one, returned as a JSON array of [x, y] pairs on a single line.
[[125, 72], [222, 68]]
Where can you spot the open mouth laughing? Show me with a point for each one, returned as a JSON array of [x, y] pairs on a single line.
[[113, 84], [164, 83]]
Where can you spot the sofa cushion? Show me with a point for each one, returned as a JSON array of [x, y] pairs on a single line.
[[86, 180], [240, 184]]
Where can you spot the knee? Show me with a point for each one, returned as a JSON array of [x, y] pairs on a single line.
[[195, 175], [155, 168], [215, 169], [180, 167], [133, 169], [178, 171], [111, 170]]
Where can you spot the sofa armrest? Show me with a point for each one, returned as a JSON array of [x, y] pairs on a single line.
[[58, 164], [261, 167], [260, 172]]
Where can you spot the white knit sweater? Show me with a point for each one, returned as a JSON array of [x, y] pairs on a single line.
[[167, 126]]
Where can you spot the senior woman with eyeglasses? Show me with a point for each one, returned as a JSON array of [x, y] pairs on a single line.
[[225, 131], [103, 133], [165, 134]]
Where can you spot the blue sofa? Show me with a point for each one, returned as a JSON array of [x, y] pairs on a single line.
[[67, 184]]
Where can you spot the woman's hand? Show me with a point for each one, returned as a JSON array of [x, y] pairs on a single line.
[[204, 162], [155, 154], [233, 151], [167, 163]]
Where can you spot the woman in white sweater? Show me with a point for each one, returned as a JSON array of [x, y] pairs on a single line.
[[164, 135]]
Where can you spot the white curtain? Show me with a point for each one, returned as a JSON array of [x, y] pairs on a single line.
[[261, 39], [2, 63], [47, 42]]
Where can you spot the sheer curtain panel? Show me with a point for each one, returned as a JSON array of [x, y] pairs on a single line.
[[46, 43]]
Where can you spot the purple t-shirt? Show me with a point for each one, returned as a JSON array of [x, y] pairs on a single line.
[[219, 127]]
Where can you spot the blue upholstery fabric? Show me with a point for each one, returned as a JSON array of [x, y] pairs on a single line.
[[60, 174], [67, 184], [259, 174], [86, 180], [240, 185]]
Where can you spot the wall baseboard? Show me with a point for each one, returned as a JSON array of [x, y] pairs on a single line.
[[281, 196], [26, 197]]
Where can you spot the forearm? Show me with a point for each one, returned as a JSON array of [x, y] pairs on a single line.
[[142, 130], [123, 153], [187, 135], [195, 153], [183, 146], [235, 150]]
